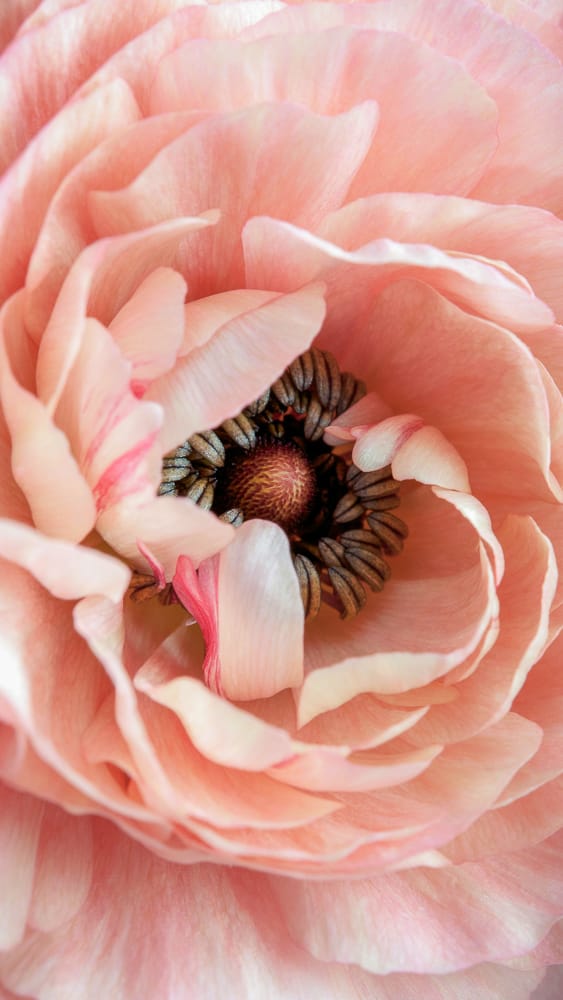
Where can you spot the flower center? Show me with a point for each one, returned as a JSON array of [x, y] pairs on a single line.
[[274, 481], [271, 462]]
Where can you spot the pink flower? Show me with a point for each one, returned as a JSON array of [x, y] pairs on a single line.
[[281, 464]]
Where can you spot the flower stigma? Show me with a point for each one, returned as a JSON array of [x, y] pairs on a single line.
[[271, 462]]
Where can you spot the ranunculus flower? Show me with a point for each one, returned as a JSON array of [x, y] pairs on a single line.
[[280, 477]]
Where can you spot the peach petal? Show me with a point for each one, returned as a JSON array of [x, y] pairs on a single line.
[[521, 13], [187, 177], [522, 77], [81, 38], [62, 506], [58, 860], [11, 18], [525, 601], [100, 625], [20, 826], [322, 769], [256, 346], [252, 604], [103, 278], [67, 227], [66, 570], [195, 21], [143, 890], [27, 188], [529, 239], [481, 286], [490, 911], [168, 526], [461, 393], [344, 66], [236, 738], [156, 307], [415, 451]]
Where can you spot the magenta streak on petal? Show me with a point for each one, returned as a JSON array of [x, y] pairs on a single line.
[[198, 593], [112, 417], [155, 565], [121, 473]]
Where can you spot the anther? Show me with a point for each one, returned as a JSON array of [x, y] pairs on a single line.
[[241, 430], [327, 378], [348, 589], [210, 446], [309, 585], [302, 371], [347, 509], [369, 566], [331, 552]]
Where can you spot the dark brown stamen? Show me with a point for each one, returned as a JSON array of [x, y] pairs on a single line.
[[271, 462]]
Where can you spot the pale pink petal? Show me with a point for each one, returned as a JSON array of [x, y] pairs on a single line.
[[149, 328], [525, 600], [222, 732], [168, 526], [415, 452], [20, 826], [490, 911], [480, 286], [101, 281], [460, 393], [529, 239], [79, 39], [112, 434], [235, 364], [66, 570], [519, 12], [325, 770], [11, 17], [188, 177], [257, 627], [26, 190], [400, 641], [516, 70], [42, 464], [132, 890], [67, 228], [342, 68]]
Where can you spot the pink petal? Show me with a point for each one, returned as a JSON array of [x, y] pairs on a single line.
[[322, 769], [65, 570], [112, 434], [20, 826], [525, 601], [81, 39], [235, 738], [102, 279], [257, 345], [149, 328], [188, 177], [27, 189], [396, 644], [60, 505], [529, 239], [343, 67], [67, 227], [415, 451], [467, 914], [256, 623], [169, 526], [518, 73], [477, 285]]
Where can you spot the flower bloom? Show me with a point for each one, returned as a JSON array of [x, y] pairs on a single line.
[[281, 452]]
